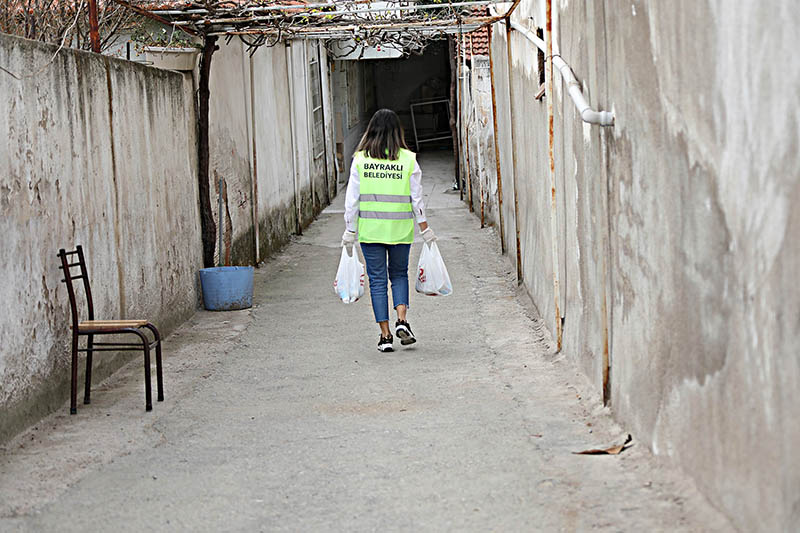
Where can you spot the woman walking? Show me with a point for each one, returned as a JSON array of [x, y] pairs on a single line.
[[384, 196]]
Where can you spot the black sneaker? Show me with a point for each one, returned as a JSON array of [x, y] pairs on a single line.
[[403, 331], [385, 344]]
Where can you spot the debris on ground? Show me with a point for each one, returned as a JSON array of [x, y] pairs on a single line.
[[613, 450]]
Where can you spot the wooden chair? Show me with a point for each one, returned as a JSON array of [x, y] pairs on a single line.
[[92, 327]]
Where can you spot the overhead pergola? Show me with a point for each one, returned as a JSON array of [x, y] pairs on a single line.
[[404, 24]]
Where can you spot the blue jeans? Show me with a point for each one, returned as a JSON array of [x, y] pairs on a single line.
[[375, 254]]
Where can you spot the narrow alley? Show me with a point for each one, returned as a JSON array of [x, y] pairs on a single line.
[[285, 417], [612, 184]]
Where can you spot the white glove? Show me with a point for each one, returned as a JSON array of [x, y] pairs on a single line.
[[348, 240], [428, 235]]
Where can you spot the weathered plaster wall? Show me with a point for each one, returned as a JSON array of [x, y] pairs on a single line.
[[230, 147], [465, 107], [253, 111], [504, 139], [526, 178], [350, 123], [97, 152], [276, 195], [310, 180], [676, 243], [120, 179], [328, 110], [478, 121], [321, 175]]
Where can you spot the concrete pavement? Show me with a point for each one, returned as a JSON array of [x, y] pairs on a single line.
[[286, 417]]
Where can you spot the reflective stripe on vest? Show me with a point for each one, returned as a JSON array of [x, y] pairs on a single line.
[[392, 198], [383, 215]]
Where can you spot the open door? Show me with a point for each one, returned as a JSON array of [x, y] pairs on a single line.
[[319, 169]]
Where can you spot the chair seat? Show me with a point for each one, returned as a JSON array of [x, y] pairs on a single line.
[[109, 325]]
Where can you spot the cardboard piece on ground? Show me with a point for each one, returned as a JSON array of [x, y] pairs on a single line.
[[613, 450]]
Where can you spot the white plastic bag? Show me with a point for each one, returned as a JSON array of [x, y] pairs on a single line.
[[349, 282], [432, 276]]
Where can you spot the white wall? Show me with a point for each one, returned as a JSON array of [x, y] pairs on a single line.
[[674, 232], [276, 191], [289, 193], [98, 152], [102, 152], [229, 150], [349, 123], [477, 119]]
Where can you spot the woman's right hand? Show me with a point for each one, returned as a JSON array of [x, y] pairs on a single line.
[[428, 235], [348, 240]]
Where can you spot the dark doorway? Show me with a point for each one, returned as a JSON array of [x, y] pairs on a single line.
[[418, 89]]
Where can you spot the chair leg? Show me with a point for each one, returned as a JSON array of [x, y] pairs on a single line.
[[159, 375], [87, 389], [73, 393], [148, 393]]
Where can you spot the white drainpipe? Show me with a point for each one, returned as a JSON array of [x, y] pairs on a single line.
[[603, 118]]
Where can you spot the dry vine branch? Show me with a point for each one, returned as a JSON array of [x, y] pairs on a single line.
[[404, 25], [53, 21]]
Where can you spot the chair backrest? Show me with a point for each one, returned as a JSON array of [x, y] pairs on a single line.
[[68, 267]]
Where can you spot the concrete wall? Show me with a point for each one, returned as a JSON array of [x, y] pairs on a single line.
[[121, 180], [230, 147], [277, 211], [350, 123], [98, 152], [260, 145], [676, 245], [309, 182], [479, 128], [504, 139], [331, 163]]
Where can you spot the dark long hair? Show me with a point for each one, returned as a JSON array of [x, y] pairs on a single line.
[[384, 136]]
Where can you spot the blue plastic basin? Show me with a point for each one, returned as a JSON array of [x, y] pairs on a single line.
[[227, 288]]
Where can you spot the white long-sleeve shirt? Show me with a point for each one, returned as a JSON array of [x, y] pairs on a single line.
[[354, 193]]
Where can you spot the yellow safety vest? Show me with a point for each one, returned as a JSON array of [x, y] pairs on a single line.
[[385, 212]]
